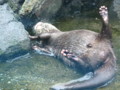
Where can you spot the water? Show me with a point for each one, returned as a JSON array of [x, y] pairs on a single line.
[[40, 72]]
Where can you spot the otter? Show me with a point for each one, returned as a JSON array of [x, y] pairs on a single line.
[[84, 49]]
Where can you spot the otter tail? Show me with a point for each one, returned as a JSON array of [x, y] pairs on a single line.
[[100, 77]]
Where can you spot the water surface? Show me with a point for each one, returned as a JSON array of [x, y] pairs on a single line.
[[40, 72]]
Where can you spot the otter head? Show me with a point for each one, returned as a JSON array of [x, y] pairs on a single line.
[[42, 27]]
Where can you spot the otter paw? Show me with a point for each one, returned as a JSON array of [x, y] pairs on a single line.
[[65, 52], [103, 11], [69, 55]]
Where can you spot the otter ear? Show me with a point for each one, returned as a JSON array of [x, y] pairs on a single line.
[[44, 36], [40, 37]]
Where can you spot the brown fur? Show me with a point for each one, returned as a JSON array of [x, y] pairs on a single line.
[[83, 48]]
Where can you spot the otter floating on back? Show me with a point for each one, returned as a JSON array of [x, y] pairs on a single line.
[[86, 49]]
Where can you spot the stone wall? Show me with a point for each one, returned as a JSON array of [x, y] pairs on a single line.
[[14, 39]]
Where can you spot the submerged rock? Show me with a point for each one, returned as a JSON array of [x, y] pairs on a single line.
[[14, 39], [41, 8]]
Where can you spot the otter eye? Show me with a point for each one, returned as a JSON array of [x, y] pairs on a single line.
[[89, 45]]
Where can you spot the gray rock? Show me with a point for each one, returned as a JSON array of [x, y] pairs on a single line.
[[32, 11], [15, 4], [14, 39], [41, 8]]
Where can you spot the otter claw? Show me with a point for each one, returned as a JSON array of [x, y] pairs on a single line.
[[69, 55], [103, 11]]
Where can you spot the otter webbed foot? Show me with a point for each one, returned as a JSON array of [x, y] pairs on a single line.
[[104, 13], [69, 55]]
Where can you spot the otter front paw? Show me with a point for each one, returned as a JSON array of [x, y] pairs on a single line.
[[103, 11], [69, 55], [66, 53]]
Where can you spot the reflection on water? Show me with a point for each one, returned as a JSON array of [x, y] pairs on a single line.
[[39, 72]]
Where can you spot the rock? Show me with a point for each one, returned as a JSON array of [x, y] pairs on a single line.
[[41, 8], [14, 39], [70, 8], [15, 4], [32, 11], [78, 8]]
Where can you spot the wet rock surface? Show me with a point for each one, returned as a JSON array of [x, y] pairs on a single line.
[[41, 8], [14, 39], [15, 4], [80, 8]]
